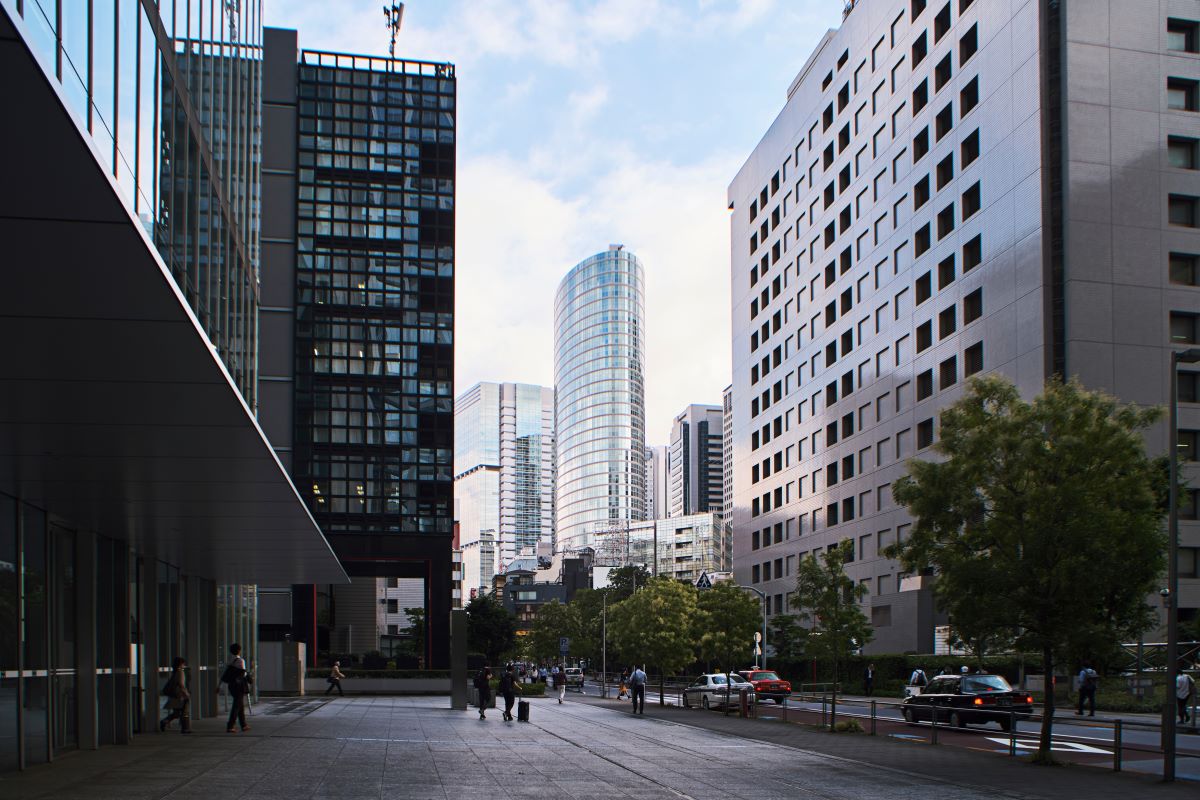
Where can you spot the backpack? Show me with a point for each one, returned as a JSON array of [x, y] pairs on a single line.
[[481, 681], [919, 678], [1089, 679], [238, 680]]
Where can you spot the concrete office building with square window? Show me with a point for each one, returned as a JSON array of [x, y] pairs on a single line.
[[954, 187]]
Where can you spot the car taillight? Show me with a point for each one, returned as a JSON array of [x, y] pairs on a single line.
[[978, 701], [1029, 699]]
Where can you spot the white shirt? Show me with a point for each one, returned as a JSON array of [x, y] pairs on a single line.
[[1183, 686]]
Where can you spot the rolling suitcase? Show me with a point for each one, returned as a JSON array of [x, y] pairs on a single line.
[[522, 711]]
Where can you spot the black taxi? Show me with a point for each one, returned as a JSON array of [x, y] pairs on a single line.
[[966, 699]]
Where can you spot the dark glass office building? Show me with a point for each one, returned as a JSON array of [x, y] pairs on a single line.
[[139, 498], [358, 283]]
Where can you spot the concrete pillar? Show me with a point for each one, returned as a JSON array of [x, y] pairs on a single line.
[[123, 678], [192, 650], [85, 640], [458, 659]]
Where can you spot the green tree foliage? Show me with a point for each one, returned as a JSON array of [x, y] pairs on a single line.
[[654, 626], [491, 630], [725, 626], [554, 620], [788, 637], [624, 581], [829, 601], [588, 606], [1043, 520], [416, 627]]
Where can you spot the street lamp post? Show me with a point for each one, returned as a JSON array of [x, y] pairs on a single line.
[[763, 597], [1171, 592], [604, 643]]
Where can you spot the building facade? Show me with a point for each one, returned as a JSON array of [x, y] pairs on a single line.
[[504, 470], [696, 466], [139, 498], [952, 188], [599, 409], [680, 547], [356, 378], [656, 482]]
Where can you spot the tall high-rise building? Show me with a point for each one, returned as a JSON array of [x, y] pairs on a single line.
[[140, 501], [357, 371], [657, 496], [696, 465], [953, 188], [504, 471], [727, 457], [599, 408]]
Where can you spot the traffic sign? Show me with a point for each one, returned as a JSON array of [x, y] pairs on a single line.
[[757, 650], [757, 636], [564, 644]]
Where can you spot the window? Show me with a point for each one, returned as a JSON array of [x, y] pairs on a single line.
[[1181, 210], [924, 385], [920, 49], [945, 272], [970, 148], [827, 117], [924, 433], [945, 221], [920, 96], [921, 192], [1183, 328], [1181, 152], [942, 73], [941, 23], [920, 144], [1181, 94], [754, 572], [968, 98], [943, 122], [917, 7], [972, 253], [1188, 507], [924, 336], [923, 289], [945, 171], [843, 97], [971, 201], [1182, 35], [947, 322], [1184, 269], [973, 359], [1189, 387], [393, 606], [831, 514], [948, 373], [968, 44], [1187, 444], [973, 306]]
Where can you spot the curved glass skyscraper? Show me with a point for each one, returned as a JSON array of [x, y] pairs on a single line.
[[599, 409]]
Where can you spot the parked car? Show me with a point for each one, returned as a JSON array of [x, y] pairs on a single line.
[[767, 685], [966, 699], [574, 677], [712, 691]]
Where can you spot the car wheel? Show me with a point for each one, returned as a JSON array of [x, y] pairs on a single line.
[[955, 720], [908, 716], [704, 702]]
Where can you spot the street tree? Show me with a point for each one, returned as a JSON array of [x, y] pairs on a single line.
[[725, 626], [589, 605], [624, 581], [554, 621], [829, 601], [1041, 519], [491, 630], [654, 626], [788, 637], [416, 627]]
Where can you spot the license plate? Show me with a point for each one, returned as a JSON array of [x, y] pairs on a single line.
[[1006, 701]]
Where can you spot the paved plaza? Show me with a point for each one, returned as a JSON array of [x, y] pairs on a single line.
[[418, 749]]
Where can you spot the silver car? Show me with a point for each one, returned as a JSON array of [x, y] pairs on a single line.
[[711, 691]]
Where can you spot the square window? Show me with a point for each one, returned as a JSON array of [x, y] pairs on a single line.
[[1186, 445], [921, 192], [843, 97], [973, 359], [963, 5], [968, 98], [1181, 210], [947, 322], [921, 240], [1182, 152], [944, 122], [1189, 387], [942, 73], [1183, 328], [923, 289], [941, 23], [945, 272], [924, 385], [920, 96], [917, 7], [920, 49], [968, 43], [924, 336], [948, 373], [827, 157], [924, 433], [1182, 35], [1185, 269], [1187, 504], [945, 221], [970, 148], [945, 171], [973, 306], [972, 253], [971, 201], [1182, 94], [920, 144], [827, 117], [831, 514]]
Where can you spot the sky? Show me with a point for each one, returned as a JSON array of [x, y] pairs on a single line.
[[586, 123]]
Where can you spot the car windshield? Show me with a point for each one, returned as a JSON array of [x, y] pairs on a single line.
[[718, 679], [764, 676], [982, 684]]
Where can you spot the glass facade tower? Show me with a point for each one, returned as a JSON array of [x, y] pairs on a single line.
[[599, 411]]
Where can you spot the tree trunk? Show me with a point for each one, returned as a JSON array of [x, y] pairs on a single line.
[[1045, 756], [833, 707], [662, 680]]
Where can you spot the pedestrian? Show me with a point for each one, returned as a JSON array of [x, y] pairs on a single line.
[[965, 670], [238, 680], [869, 679], [179, 700], [918, 678], [484, 688], [1185, 687], [1087, 690], [623, 687], [637, 690], [335, 679], [560, 682], [509, 688]]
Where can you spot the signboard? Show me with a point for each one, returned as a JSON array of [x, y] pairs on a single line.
[[564, 645]]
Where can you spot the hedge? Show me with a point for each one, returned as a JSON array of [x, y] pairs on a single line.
[[323, 672]]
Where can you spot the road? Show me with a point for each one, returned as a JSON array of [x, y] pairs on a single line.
[[1075, 739]]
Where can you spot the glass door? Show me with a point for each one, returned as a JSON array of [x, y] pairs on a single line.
[[64, 681]]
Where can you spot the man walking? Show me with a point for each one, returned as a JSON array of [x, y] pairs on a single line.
[[637, 689], [483, 688], [869, 679], [1087, 690], [560, 682], [1185, 687], [238, 681], [179, 699], [335, 679], [508, 688]]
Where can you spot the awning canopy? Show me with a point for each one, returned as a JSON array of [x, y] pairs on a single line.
[[116, 415]]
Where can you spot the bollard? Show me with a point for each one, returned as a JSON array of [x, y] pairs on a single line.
[[1117, 746], [1012, 733], [823, 723], [872, 717], [933, 728], [785, 708]]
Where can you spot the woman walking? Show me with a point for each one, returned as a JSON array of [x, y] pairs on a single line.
[[179, 700], [335, 679]]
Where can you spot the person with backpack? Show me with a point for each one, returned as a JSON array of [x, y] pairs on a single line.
[[637, 690], [238, 680], [918, 678], [178, 698], [508, 689], [483, 687], [1185, 687], [1088, 679]]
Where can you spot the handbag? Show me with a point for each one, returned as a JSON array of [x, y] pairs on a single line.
[[169, 689]]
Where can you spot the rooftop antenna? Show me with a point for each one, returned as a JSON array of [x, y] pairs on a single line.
[[394, 14]]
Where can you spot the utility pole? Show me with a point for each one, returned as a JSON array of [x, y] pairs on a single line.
[[604, 642], [394, 14]]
